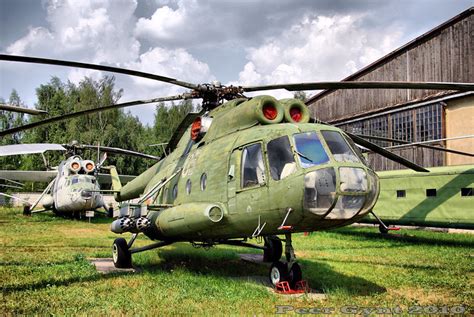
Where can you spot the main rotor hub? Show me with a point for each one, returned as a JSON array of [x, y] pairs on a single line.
[[215, 93]]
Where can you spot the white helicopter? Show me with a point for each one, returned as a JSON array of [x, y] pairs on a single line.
[[73, 185]]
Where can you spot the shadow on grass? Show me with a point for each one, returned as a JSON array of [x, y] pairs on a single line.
[[407, 238], [221, 262], [320, 276], [402, 266], [66, 282]]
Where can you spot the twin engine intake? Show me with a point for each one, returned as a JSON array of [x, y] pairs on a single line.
[[87, 166]]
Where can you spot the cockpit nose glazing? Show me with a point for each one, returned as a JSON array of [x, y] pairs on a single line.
[[341, 192]]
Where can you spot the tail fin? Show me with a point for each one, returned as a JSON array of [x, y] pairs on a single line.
[[116, 184]]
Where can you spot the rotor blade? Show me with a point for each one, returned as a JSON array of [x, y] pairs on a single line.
[[21, 109], [11, 181], [385, 153], [365, 85], [47, 61], [89, 111], [407, 143], [31, 148], [29, 176], [115, 150]]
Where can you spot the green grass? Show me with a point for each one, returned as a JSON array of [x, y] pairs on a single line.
[[44, 270]]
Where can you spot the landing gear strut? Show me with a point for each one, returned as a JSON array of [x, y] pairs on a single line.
[[289, 271], [122, 251]]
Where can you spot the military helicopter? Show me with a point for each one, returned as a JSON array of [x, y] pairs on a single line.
[[74, 187], [245, 168]]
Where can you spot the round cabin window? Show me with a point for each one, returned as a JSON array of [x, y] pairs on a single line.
[[188, 187], [203, 181], [175, 191]]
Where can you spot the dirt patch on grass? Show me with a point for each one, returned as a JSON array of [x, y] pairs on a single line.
[[82, 232], [423, 296]]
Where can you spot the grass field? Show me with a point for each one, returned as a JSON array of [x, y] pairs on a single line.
[[44, 270]]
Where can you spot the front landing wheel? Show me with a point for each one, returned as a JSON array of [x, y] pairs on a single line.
[[121, 254], [278, 273]]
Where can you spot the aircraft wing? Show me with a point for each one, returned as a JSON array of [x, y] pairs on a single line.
[[18, 149], [29, 176]]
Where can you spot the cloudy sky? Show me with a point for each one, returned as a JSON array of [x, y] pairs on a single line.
[[235, 41]]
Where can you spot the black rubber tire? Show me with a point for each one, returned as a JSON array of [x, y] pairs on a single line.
[[26, 210], [278, 273], [121, 254], [274, 249], [295, 275], [383, 230], [110, 212]]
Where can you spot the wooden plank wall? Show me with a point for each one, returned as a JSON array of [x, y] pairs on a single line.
[[445, 57]]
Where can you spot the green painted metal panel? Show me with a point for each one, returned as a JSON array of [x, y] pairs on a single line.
[[448, 208]]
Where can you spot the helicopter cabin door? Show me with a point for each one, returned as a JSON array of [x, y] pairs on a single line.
[[233, 178], [247, 190]]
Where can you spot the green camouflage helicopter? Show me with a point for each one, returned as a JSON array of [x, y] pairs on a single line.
[[245, 168]]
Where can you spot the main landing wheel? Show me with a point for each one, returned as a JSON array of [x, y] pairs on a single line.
[[295, 275], [27, 210], [273, 250], [278, 273], [110, 212], [121, 254]]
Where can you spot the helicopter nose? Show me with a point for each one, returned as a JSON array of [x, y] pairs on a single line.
[[86, 194], [353, 195]]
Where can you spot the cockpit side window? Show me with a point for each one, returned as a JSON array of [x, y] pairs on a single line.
[[253, 168], [339, 147], [356, 149], [75, 180], [280, 158], [309, 149]]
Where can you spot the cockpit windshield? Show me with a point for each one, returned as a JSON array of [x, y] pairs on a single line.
[[309, 149], [339, 147]]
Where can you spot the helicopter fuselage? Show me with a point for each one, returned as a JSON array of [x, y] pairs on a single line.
[[256, 180]]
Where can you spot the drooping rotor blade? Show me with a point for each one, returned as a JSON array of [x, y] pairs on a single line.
[[115, 150], [365, 85], [21, 109], [385, 153], [32, 148], [89, 111], [47, 61], [11, 181], [29, 176], [407, 143]]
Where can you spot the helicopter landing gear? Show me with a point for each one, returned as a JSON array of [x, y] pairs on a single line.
[[286, 272], [121, 254], [110, 212], [273, 249], [26, 210]]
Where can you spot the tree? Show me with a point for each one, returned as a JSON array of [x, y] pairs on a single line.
[[167, 120], [8, 120], [301, 95]]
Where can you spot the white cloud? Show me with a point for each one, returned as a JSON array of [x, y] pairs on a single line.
[[319, 48], [102, 32]]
